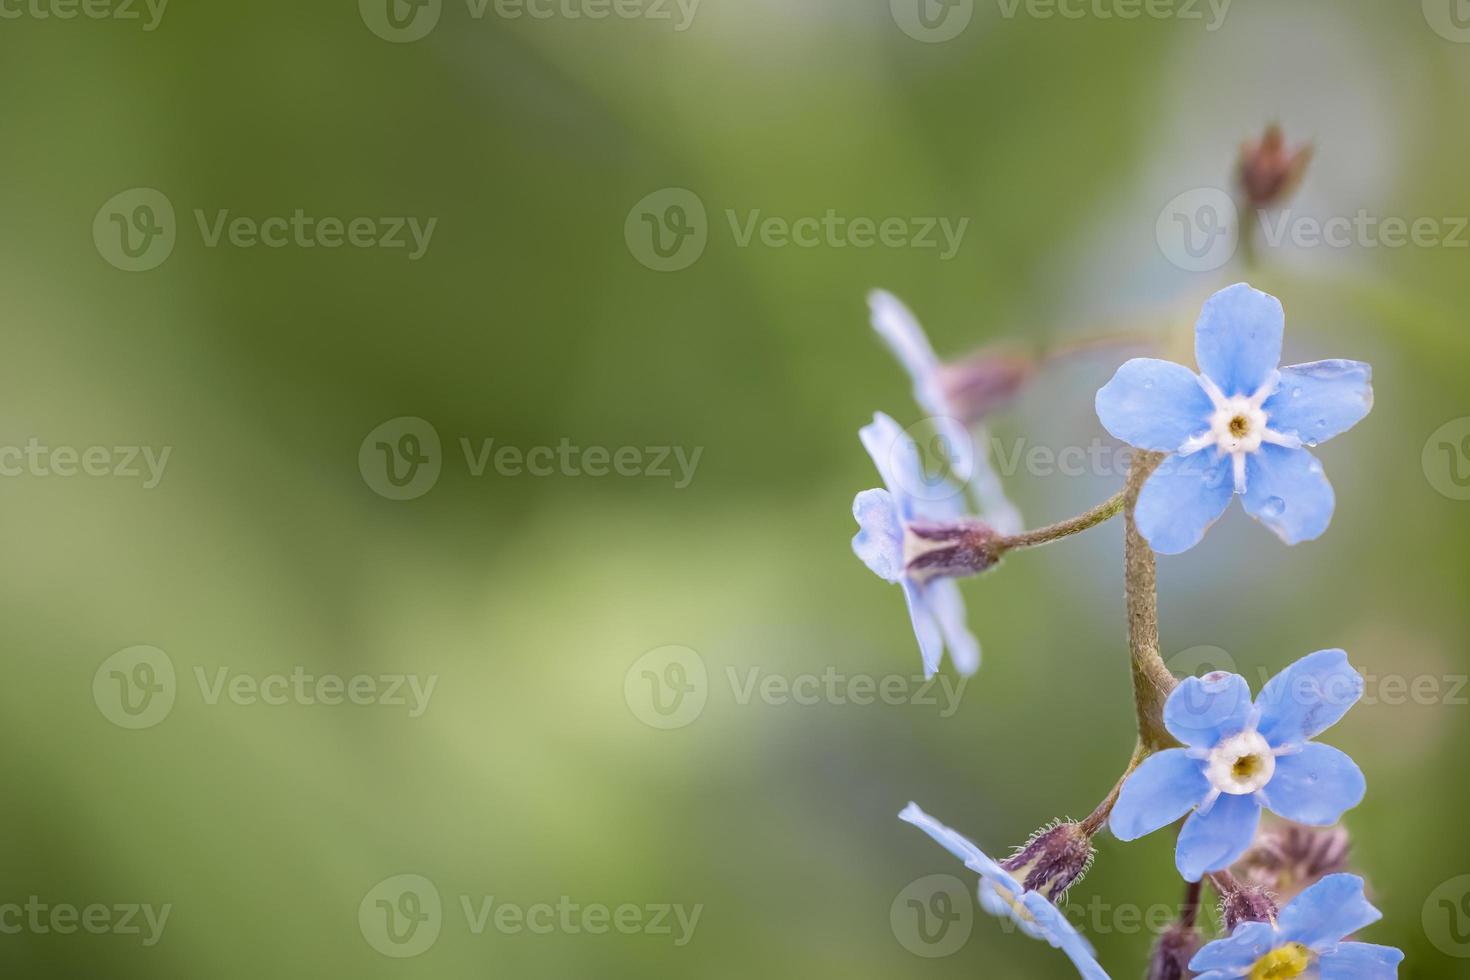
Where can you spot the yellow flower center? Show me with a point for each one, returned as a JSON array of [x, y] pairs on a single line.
[[1282, 963], [1247, 767]]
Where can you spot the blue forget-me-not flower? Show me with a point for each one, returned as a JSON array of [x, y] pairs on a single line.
[[1241, 755], [1241, 426], [1306, 940], [915, 533]]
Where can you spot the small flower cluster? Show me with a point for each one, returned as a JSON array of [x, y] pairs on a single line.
[[1210, 754]]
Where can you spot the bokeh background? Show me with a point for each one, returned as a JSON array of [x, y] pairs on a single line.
[[533, 774]]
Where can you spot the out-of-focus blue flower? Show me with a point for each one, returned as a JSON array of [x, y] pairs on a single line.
[[1002, 895], [1241, 756], [1238, 427], [914, 533], [1305, 941], [948, 395]]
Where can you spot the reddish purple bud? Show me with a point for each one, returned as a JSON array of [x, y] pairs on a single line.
[[1288, 858], [1172, 953], [1053, 860], [1268, 173], [984, 382], [950, 549], [1247, 903]]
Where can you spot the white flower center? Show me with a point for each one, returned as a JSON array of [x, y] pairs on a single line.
[[1238, 426], [1240, 764]]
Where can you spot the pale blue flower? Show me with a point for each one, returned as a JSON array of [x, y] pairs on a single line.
[[1240, 756], [1241, 426], [1306, 940], [1002, 895], [901, 332], [885, 517]]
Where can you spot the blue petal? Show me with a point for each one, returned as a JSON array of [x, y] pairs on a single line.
[[1060, 933], [1203, 710], [948, 608], [1153, 404], [1320, 400], [990, 494], [1238, 952], [916, 492], [1361, 961], [1315, 786], [900, 330], [1163, 788], [958, 845], [1215, 839], [1286, 490], [1237, 340], [1307, 698], [1185, 495], [926, 627], [1326, 912], [879, 542]]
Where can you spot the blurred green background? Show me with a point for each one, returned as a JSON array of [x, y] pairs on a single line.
[[532, 775]]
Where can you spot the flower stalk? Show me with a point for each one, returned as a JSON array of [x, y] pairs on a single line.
[[1152, 681]]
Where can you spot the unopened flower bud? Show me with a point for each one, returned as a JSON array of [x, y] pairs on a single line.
[[1247, 903], [1172, 953], [1268, 173], [1053, 860], [1288, 858], [984, 382], [949, 549]]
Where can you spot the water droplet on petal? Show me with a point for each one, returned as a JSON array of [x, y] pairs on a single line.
[[1273, 508], [1296, 393], [1148, 384]]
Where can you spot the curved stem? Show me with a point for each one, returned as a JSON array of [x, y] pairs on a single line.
[[1104, 511], [1099, 816], [1152, 681]]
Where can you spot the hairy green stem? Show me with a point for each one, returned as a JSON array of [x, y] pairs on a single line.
[[1152, 681], [1104, 511]]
